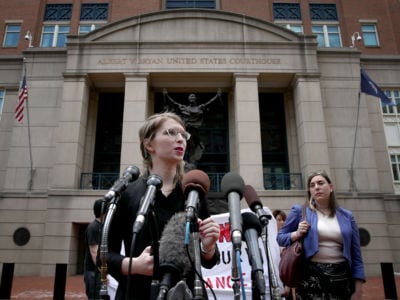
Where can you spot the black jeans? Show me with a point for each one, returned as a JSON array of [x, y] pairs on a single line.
[[92, 284]]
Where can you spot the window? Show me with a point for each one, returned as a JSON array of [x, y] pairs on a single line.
[[94, 11], [327, 35], [326, 12], [86, 28], [295, 27], [54, 35], [395, 162], [394, 95], [97, 12], [12, 35], [171, 4], [58, 12], [298, 28], [1, 101], [286, 11], [370, 35]]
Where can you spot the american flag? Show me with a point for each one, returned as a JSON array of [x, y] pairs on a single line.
[[22, 98]]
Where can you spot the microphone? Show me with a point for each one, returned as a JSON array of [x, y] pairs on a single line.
[[252, 231], [255, 204], [154, 183], [130, 174], [232, 186], [195, 185], [174, 261]]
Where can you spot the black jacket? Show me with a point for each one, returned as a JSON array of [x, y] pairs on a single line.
[[121, 230]]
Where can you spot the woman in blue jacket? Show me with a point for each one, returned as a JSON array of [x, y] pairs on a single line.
[[333, 267]]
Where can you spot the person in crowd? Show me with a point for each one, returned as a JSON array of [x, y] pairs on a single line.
[[280, 217], [92, 276], [163, 141], [333, 266]]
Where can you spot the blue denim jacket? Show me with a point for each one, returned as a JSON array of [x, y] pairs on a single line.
[[348, 227]]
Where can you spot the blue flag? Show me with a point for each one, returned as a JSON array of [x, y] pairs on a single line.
[[369, 87]]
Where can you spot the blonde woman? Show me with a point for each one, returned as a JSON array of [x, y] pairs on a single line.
[[163, 141]]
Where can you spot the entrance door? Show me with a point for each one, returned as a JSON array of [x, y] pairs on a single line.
[[274, 142], [107, 155]]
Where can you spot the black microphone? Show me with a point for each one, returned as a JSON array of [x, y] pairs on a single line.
[[174, 261], [195, 185], [130, 174], [154, 183], [251, 233], [255, 204], [232, 186]]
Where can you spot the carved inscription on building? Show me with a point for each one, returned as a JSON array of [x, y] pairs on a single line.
[[190, 61]]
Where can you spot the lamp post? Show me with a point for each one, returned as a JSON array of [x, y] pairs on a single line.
[[28, 37], [355, 37]]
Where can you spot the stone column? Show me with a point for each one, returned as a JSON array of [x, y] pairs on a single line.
[[245, 136], [310, 123], [70, 134], [136, 110]]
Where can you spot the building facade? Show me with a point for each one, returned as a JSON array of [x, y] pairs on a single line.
[[289, 74]]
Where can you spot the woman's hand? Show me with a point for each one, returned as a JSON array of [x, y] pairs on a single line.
[[358, 295], [209, 235], [143, 264], [302, 229]]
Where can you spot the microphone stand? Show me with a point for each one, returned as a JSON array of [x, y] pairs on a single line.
[[255, 288], [104, 247], [198, 292], [272, 278], [155, 283], [235, 274]]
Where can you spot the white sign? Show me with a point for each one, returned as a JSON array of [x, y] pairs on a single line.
[[219, 277]]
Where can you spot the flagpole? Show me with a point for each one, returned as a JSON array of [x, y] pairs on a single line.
[[353, 187], [31, 169]]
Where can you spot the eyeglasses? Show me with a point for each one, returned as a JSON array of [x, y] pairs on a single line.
[[173, 133]]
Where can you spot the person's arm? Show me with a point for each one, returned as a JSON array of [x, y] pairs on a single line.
[[143, 264], [358, 295], [357, 265], [288, 232], [165, 93], [93, 253], [218, 95]]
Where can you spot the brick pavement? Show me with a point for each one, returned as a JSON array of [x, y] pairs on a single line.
[[29, 288]]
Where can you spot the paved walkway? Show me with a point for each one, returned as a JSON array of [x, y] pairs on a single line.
[[30, 288]]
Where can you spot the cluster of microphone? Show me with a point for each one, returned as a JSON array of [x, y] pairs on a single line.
[[174, 263]]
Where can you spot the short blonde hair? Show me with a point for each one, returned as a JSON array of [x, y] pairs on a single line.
[[147, 132]]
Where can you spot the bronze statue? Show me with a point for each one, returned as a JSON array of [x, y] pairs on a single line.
[[193, 116]]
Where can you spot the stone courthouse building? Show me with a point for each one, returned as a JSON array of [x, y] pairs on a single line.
[[289, 76]]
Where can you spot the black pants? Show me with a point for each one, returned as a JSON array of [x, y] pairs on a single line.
[[92, 284], [326, 282]]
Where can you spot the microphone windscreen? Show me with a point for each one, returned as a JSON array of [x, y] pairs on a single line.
[[250, 220], [196, 180], [132, 172], [232, 182], [173, 256], [251, 197]]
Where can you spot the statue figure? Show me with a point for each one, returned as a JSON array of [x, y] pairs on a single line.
[[193, 116]]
